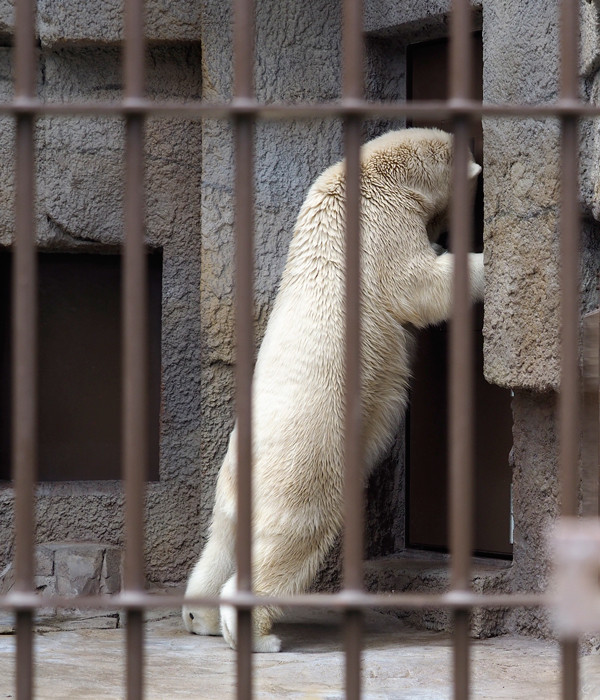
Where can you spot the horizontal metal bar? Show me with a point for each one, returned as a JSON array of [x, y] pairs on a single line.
[[345, 600], [340, 109]]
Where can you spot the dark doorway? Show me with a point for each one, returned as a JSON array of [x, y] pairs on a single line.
[[427, 444], [79, 366]]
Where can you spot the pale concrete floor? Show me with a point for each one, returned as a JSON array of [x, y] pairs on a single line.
[[399, 663]]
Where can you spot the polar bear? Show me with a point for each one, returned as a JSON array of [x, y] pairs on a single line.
[[298, 395]]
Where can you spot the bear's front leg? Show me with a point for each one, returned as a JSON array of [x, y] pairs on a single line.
[[428, 300], [213, 568]]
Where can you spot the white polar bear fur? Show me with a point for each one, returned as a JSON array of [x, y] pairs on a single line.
[[298, 404]]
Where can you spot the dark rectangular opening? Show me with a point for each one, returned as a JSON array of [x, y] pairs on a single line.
[[427, 429], [79, 366]]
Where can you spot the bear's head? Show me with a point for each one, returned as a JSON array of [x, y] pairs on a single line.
[[417, 164]]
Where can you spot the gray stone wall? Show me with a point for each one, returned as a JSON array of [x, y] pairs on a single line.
[[75, 22], [79, 208], [522, 173], [190, 216], [536, 499], [297, 59], [522, 254], [522, 192]]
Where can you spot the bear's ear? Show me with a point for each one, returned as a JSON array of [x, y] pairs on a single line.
[[474, 170]]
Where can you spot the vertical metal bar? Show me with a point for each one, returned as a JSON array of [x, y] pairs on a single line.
[[353, 89], [569, 408], [243, 56], [569, 227], [590, 414], [135, 346], [24, 329], [353, 486], [461, 351]]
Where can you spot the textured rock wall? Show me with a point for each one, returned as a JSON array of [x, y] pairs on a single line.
[[79, 208], [77, 22], [522, 172], [536, 499], [297, 59], [190, 215], [522, 192], [522, 253]]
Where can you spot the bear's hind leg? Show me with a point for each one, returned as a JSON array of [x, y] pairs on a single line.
[[261, 625], [282, 567]]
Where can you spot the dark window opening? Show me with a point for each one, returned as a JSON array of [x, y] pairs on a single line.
[[427, 431], [79, 366]]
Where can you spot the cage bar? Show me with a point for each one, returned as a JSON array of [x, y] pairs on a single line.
[[461, 380], [243, 111], [352, 90], [24, 331], [135, 344], [569, 404], [358, 600], [291, 111], [243, 130]]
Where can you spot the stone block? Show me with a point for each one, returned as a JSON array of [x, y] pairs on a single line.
[[7, 18], [7, 135], [7, 578], [535, 500], [110, 581], [81, 621], [521, 195], [430, 572], [590, 154], [75, 22], [46, 587], [78, 569], [386, 16], [590, 36], [44, 560], [80, 159], [415, 19]]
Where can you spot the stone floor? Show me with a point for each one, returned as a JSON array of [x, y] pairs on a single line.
[[399, 663]]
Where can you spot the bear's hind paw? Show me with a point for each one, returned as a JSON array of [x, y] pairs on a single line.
[[261, 643], [268, 643]]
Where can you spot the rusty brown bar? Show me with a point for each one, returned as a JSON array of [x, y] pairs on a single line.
[[362, 600], [244, 110], [25, 395], [322, 110], [569, 405], [135, 374], [353, 482], [352, 91], [461, 353], [243, 128], [25, 343], [569, 228]]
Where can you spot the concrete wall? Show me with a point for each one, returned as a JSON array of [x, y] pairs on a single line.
[[522, 312], [190, 215], [288, 155], [79, 202], [522, 180]]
